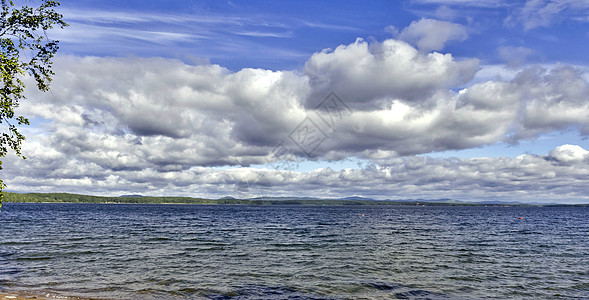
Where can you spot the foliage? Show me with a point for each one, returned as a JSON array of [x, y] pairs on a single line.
[[76, 198], [25, 50]]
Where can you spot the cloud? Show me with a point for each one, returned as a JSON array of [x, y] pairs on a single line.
[[392, 30], [538, 13], [216, 34], [514, 56], [551, 100], [529, 14], [146, 125], [169, 115], [266, 34], [530, 177], [446, 13], [80, 33], [569, 154], [370, 76], [543, 13], [466, 3], [429, 34]]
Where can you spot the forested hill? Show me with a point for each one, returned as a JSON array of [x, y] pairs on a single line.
[[76, 198], [138, 199]]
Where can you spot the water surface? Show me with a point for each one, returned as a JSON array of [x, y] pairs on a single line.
[[294, 252]]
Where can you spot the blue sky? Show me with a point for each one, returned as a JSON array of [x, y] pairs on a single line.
[[443, 98], [283, 34], [290, 31]]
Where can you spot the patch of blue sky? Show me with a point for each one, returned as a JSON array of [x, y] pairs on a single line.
[[305, 165], [540, 146]]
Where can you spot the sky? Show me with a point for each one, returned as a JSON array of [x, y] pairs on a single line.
[[416, 99]]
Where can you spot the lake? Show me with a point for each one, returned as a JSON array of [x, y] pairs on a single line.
[[120, 251]]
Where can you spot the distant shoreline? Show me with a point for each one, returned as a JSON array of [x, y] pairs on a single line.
[[78, 198]]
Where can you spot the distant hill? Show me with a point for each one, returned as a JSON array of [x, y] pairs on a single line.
[[285, 198], [357, 198], [228, 200]]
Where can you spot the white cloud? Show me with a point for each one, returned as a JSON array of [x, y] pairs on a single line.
[[539, 13], [543, 13], [529, 14], [392, 30], [474, 3], [171, 115], [286, 34], [523, 178], [402, 101], [429, 34], [446, 13], [552, 100], [514, 56], [143, 125], [371, 75], [569, 154], [214, 34]]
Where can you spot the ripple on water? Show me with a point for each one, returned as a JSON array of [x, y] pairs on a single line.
[[249, 252]]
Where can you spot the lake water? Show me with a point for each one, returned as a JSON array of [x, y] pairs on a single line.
[[294, 252]]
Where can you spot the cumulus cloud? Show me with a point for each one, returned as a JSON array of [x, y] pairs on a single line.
[[569, 154], [151, 124], [524, 178], [429, 34], [371, 75], [551, 100], [165, 114]]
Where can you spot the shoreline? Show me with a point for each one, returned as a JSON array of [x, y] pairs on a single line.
[[294, 203], [10, 197], [13, 295], [24, 296]]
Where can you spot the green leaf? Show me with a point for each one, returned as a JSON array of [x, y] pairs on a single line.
[[23, 30]]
